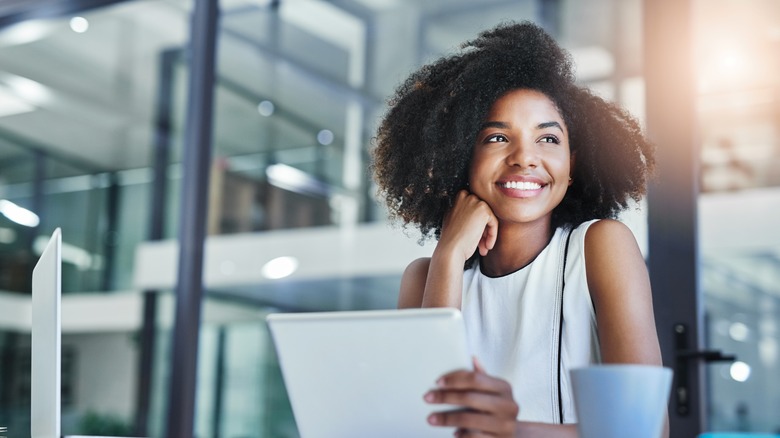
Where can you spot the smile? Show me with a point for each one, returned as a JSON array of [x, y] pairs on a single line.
[[520, 185]]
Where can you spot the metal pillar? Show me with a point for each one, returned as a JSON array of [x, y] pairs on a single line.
[[162, 142], [162, 148], [219, 383], [111, 235], [194, 206], [672, 201]]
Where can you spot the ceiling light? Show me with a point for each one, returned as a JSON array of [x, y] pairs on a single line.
[[266, 108], [31, 91], [79, 24], [25, 32], [20, 215], [295, 180], [325, 137], [10, 104], [280, 267]]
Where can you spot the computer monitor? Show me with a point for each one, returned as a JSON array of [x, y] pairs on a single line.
[[45, 375]]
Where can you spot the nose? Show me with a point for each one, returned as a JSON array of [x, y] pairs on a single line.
[[523, 154]]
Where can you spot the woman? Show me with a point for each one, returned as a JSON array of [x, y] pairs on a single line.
[[519, 174]]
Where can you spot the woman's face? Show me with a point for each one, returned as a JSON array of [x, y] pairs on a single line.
[[521, 161]]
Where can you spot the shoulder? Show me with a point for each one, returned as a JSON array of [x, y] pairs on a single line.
[[614, 265], [418, 268], [606, 233], [611, 252], [620, 289], [413, 283], [597, 237]]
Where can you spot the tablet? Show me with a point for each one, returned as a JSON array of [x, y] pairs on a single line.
[[364, 373]]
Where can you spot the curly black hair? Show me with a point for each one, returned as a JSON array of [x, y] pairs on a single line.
[[424, 143]]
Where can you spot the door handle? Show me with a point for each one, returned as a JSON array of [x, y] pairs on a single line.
[[706, 355], [683, 356]]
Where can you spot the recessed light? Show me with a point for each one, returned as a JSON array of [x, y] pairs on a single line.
[[20, 215], [325, 137], [280, 267], [79, 24], [266, 108]]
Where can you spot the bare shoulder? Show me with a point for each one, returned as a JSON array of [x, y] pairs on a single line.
[[612, 256], [620, 288], [608, 233], [413, 283]]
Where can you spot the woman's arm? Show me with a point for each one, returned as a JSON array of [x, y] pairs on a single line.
[[620, 289], [470, 225], [413, 284]]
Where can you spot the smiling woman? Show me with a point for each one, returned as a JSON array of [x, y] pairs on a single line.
[[519, 173]]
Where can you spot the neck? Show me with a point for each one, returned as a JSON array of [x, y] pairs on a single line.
[[517, 245]]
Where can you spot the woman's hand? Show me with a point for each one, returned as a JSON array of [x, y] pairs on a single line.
[[469, 225], [488, 406]]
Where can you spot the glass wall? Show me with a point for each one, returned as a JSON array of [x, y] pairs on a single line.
[[736, 51]]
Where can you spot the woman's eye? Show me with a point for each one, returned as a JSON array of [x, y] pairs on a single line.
[[496, 138], [550, 139]]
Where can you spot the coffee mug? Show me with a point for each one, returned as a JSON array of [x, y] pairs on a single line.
[[621, 400]]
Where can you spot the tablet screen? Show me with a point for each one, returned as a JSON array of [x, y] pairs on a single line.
[[364, 373]]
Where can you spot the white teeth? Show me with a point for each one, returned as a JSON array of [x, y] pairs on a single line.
[[522, 185]]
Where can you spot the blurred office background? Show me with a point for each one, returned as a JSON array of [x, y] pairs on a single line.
[[93, 99]]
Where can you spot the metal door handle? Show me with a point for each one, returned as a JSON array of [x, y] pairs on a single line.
[[706, 355], [683, 355]]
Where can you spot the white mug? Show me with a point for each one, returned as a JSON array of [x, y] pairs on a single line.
[[621, 400]]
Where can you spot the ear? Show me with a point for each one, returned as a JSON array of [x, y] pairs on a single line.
[[572, 162]]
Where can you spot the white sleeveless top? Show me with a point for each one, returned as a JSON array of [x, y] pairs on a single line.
[[512, 326]]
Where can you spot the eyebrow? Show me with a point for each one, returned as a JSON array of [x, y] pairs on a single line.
[[499, 125], [504, 125], [549, 125]]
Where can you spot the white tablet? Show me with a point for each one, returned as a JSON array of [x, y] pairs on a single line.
[[364, 373]]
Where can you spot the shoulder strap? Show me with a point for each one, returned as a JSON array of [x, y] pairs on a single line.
[[560, 326]]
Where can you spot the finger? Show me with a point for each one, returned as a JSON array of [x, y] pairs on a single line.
[[483, 248], [463, 194], [475, 381], [466, 433], [478, 401], [488, 239], [477, 365], [471, 421], [492, 232]]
